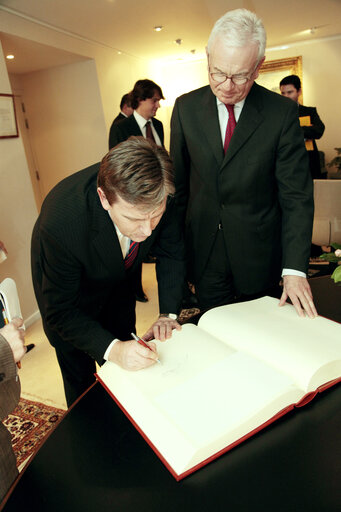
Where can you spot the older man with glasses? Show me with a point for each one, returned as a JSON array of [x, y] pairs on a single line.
[[242, 177]]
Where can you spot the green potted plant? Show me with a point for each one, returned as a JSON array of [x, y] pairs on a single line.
[[334, 257]]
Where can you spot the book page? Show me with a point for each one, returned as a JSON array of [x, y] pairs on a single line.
[[202, 397], [308, 350]]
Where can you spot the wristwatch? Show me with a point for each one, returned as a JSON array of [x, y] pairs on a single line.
[[172, 316]]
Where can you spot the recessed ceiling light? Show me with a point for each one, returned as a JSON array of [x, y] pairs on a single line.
[[9, 57], [158, 28]]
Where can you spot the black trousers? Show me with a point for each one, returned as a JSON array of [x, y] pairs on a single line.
[[216, 286]]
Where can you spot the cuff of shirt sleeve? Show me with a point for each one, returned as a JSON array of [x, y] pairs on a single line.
[[291, 272], [107, 352]]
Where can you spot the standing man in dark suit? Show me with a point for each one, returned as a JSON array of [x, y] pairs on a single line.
[[125, 111], [241, 175], [290, 87], [94, 229], [145, 100], [12, 350]]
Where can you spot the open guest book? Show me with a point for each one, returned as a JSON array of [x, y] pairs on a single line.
[[244, 366]]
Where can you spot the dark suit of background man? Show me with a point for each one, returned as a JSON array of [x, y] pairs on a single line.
[[79, 242], [248, 212], [290, 87], [125, 111], [11, 351]]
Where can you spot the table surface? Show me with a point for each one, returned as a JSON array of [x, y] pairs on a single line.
[[95, 460]]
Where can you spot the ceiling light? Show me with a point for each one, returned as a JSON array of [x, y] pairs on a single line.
[[158, 28], [9, 57], [178, 41]]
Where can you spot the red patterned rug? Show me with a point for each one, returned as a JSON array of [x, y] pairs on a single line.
[[28, 424]]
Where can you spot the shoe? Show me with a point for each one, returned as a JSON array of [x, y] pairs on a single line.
[[141, 297]]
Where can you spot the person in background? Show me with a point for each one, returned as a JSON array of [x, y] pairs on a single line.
[[145, 101], [311, 124], [12, 350], [85, 256], [242, 179], [125, 111]]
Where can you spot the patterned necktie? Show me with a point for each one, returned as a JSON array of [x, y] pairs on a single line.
[[231, 124], [131, 255], [149, 132]]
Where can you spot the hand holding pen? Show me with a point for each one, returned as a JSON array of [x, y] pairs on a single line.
[[143, 343]]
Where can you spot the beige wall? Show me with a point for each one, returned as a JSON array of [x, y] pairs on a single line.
[[17, 212], [66, 121]]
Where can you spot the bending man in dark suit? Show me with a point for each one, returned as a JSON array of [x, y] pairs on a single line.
[[247, 200], [82, 281], [12, 350], [290, 87]]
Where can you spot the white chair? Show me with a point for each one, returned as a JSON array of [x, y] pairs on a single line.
[[327, 217]]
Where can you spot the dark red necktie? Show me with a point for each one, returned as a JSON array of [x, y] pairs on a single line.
[[132, 253], [231, 124], [149, 131]]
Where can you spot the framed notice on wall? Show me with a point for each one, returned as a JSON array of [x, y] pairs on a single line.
[[8, 120]]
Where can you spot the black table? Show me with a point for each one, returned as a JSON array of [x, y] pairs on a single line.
[[95, 460]]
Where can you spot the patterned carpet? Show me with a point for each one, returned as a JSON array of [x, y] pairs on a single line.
[[28, 424]]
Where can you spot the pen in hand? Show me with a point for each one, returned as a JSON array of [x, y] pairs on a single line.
[[143, 343]]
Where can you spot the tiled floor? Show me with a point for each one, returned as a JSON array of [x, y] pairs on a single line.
[[40, 375]]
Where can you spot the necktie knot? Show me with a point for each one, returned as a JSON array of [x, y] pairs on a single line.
[[149, 131]]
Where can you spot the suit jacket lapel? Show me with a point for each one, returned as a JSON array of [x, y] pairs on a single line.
[[105, 240], [249, 120], [209, 123]]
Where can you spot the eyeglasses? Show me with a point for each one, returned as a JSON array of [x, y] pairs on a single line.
[[220, 77]]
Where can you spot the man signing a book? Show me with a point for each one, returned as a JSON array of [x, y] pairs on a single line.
[[94, 229]]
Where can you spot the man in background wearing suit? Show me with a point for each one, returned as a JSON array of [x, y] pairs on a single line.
[[94, 229], [12, 350], [290, 87], [145, 100], [242, 177], [125, 111]]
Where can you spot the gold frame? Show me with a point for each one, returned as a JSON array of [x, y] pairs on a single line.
[[273, 71]]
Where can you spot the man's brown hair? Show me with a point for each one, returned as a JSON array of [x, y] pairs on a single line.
[[139, 171]]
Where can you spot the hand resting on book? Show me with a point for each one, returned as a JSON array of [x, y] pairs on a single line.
[[161, 329]]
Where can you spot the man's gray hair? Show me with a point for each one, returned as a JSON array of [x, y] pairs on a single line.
[[239, 28]]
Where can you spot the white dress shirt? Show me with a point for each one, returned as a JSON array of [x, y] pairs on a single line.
[[141, 121]]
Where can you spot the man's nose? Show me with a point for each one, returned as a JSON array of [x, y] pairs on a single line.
[[227, 85], [146, 228]]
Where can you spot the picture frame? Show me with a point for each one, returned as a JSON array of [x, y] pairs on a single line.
[[272, 71], [8, 118]]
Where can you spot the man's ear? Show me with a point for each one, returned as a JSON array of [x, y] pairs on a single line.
[[258, 67], [103, 199]]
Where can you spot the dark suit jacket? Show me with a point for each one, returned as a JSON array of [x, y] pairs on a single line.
[[260, 191], [9, 397], [312, 132], [118, 119], [83, 291], [128, 127]]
